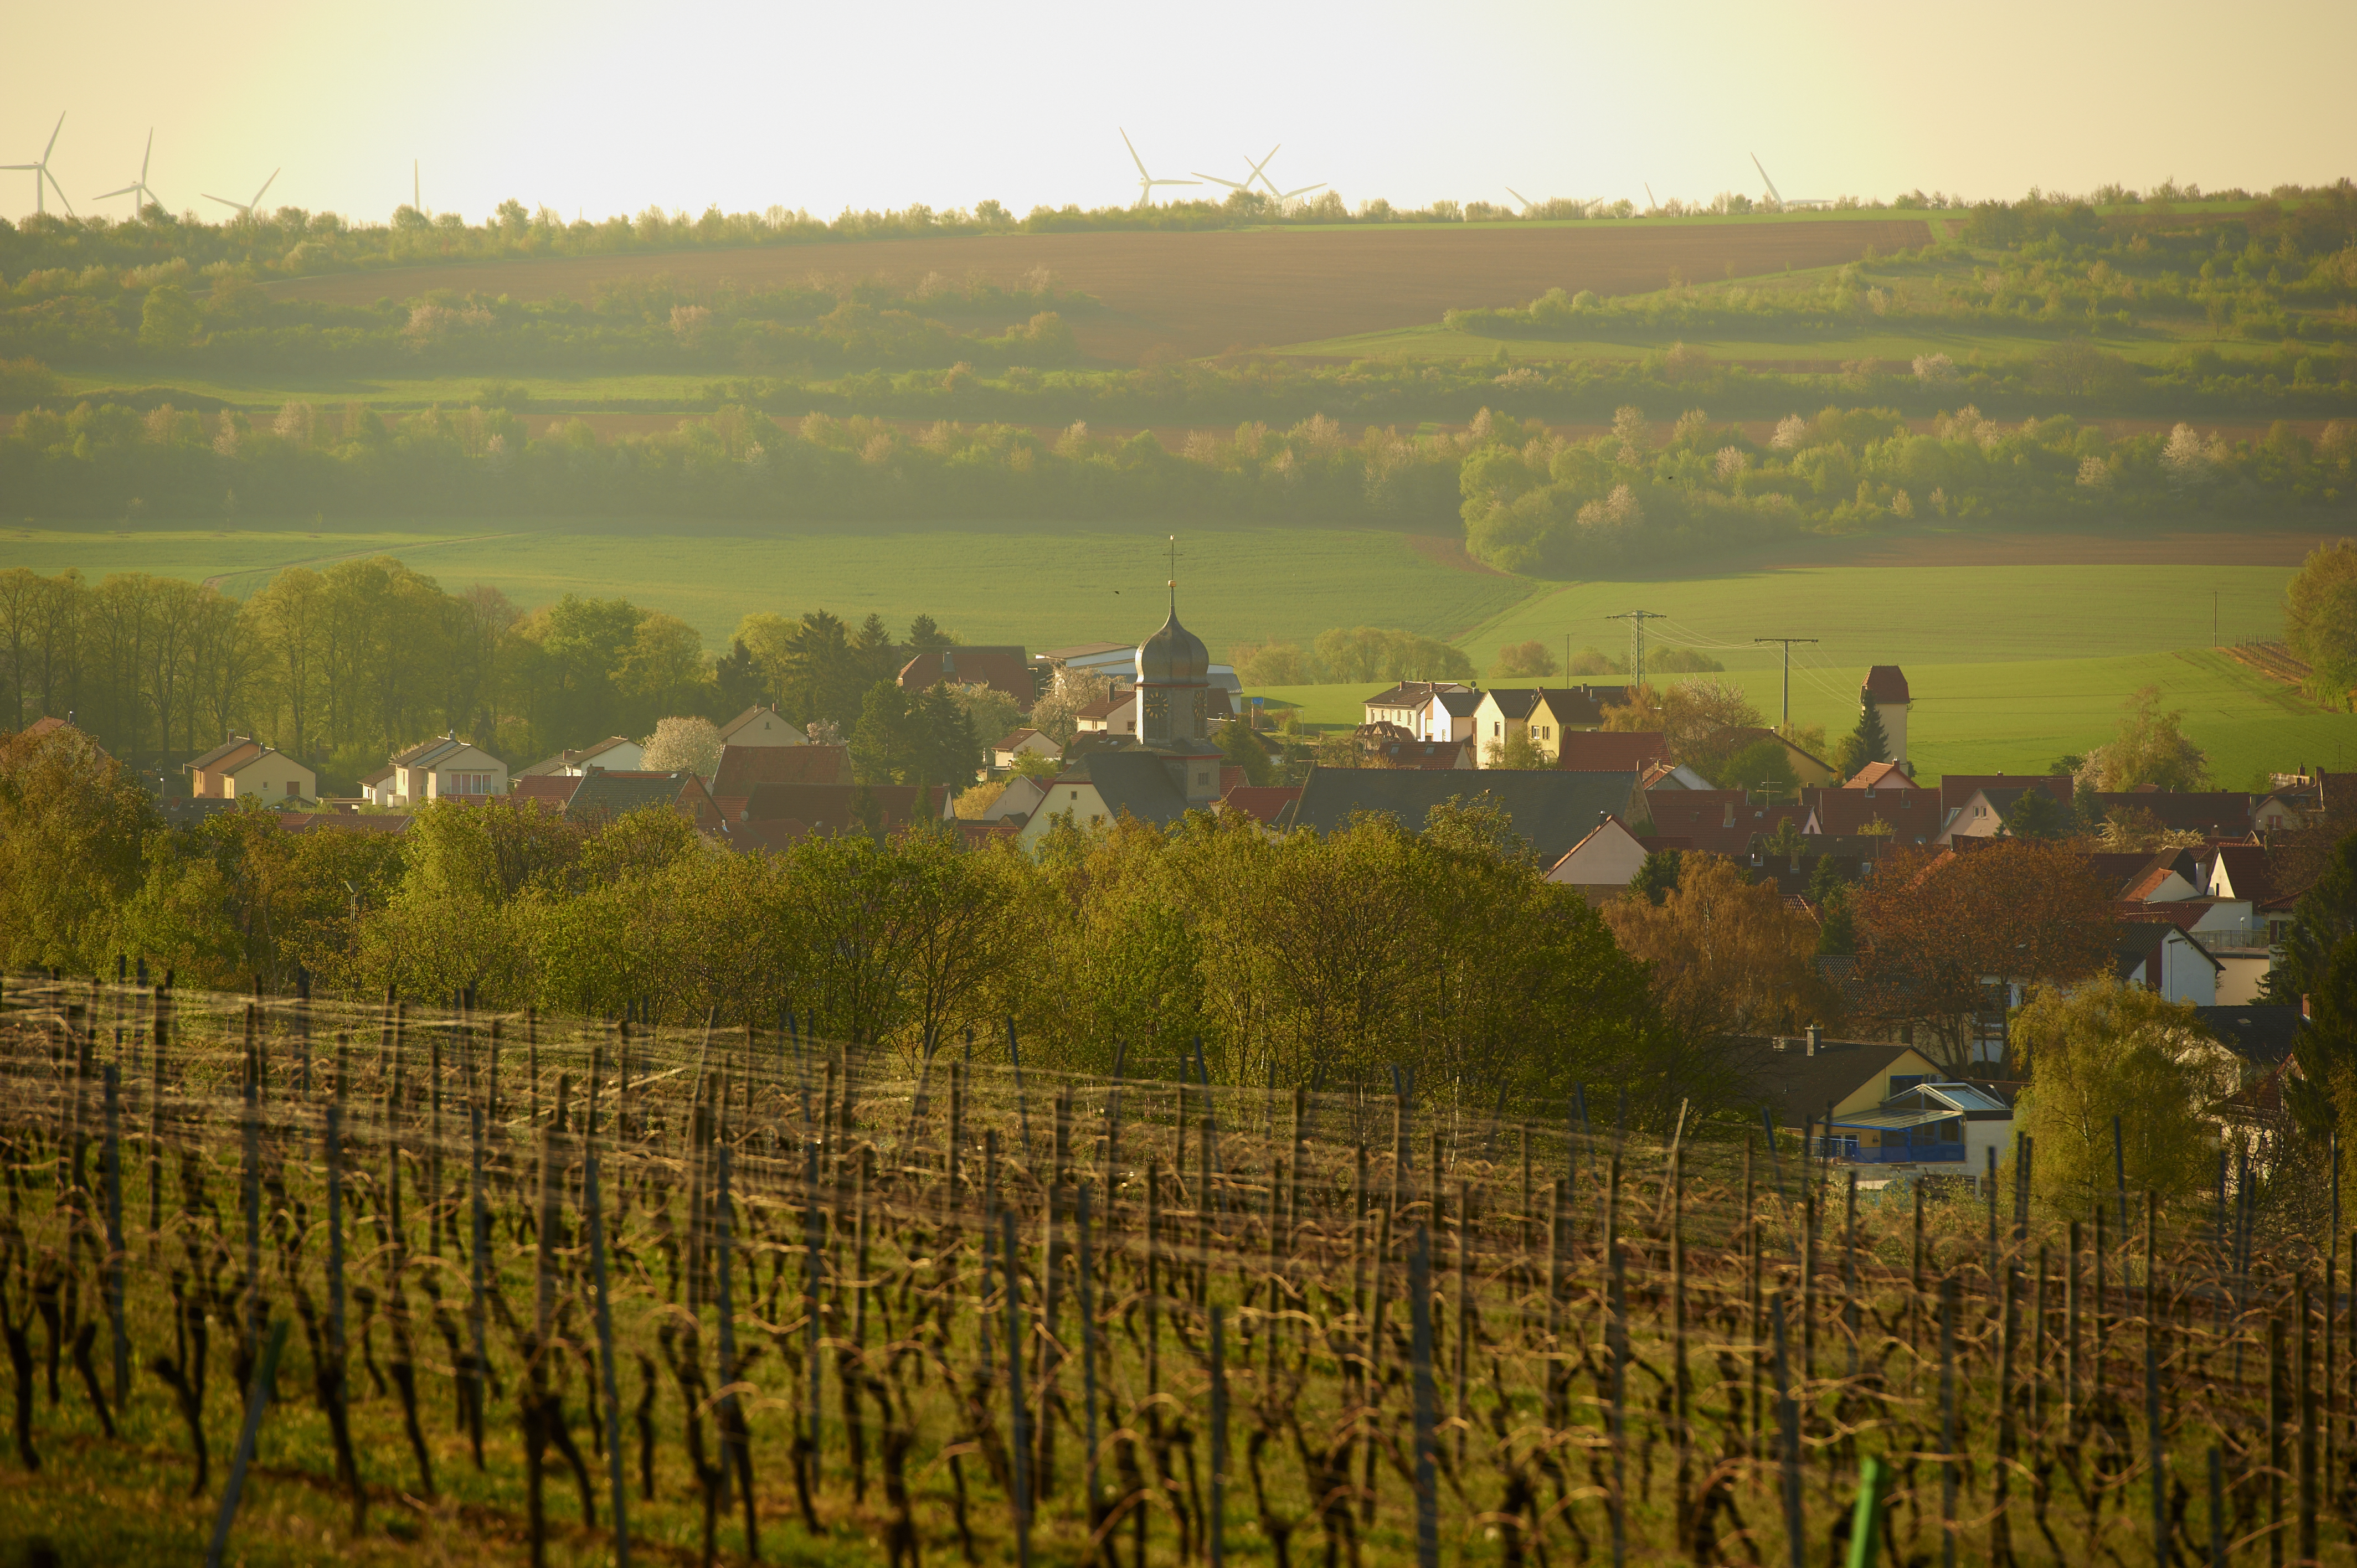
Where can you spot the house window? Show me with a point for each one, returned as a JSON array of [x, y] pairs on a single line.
[[1076, 794], [1496, 728]]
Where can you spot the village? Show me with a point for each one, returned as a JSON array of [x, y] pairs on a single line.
[[2194, 892]]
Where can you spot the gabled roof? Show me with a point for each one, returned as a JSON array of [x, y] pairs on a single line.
[[1717, 821], [1415, 694], [2243, 870], [1552, 808], [379, 777], [551, 789], [1880, 775], [2137, 943], [1262, 803], [1886, 683], [758, 711], [568, 760], [227, 751], [1015, 737], [834, 807], [743, 766], [1459, 702], [1795, 1085], [1956, 789], [1514, 701], [605, 794], [1913, 814], [1134, 783], [261, 753], [1611, 751], [425, 753], [1006, 669], [2222, 813], [1406, 751]]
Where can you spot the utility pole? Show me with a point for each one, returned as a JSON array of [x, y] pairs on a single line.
[[1636, 619], [1788, 642]]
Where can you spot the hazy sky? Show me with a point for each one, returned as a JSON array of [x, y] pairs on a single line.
[[602, 107]]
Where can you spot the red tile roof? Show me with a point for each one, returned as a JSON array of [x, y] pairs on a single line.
[[1261, 802], [743, 766], [1007, 669], [1911, 814], [1611, 751], [551, 789], [1880, 776], [1884, 684]]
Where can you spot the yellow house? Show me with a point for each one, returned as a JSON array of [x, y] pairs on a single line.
[[244, 768]]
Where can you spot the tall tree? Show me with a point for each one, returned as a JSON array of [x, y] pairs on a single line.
[[1873, 744]]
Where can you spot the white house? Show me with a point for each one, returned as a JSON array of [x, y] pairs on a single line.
[[1409, 703], [244, 768], [444, 768], [615, 754], [2161, 958], [755, 726], [1602, 863], [1023, 743], [1116, 715]]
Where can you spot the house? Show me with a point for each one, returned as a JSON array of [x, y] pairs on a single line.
[[761, 727], [1912, 813], [1956, 789], [834, 809], [1717, 821], [1874, 775], [1554, 809], [1615, 751], [1115, 715], [1265, 803], [1602, 864], [1106, 786], [1023, 743], [551, 791], [1502, 716], [1448, 715], [1885, 684], [1668, 775], [444, 768], [1399, 749], [1806, 1077], [1931, 1123], [1813, 772], [2215, 814], [2160, 958], [244, 768], [615, 753], [376, 788], [1409, 704], [743, 766], [1006, 669], [1016, 802], [604, 794]]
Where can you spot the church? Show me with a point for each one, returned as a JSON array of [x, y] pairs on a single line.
[[1173, 768]]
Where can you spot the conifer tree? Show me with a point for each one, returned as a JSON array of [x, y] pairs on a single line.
[[1872, 742]]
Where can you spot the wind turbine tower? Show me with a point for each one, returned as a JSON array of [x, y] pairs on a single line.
[[1146, 182], [246, 208], [41, 172], [139, 187]]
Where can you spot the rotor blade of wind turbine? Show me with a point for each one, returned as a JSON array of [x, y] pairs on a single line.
[[53, 136], [1303, 191], [266, 186], [1174, 182], [1763, 175], [1215, 180], [1133, 155], [60, 190], [1518, 196], [145, 156], [224, 201], [111, 195]]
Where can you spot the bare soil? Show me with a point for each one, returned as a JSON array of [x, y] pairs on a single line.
[[1191, 295]]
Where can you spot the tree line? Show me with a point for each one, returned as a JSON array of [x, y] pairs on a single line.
[[341, 667], [1529, 500]]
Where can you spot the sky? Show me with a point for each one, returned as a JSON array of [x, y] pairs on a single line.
[[596, 108]]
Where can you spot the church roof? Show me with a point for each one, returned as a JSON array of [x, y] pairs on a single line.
[[1173, 656]]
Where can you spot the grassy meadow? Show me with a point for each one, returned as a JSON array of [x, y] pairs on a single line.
[[1038, 584]]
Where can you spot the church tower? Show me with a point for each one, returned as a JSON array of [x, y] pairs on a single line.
[[1174, 703]]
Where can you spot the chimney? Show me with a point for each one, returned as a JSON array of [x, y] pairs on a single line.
[[1816, 1035]]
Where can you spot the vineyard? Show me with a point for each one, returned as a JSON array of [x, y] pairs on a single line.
[[591, 1292]]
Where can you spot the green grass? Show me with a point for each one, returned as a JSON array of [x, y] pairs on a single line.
[[1434, 341], [2018, 716], [1041, 583], [267, 388]]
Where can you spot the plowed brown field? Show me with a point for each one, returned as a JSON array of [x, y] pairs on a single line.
[[1201, 293]]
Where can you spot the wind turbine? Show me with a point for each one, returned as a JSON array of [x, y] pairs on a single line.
[[1246, 183], [41, 172], [1778, 196], [1146, 182], [138, 186], [245, 208]]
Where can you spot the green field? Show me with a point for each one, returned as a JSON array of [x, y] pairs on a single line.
[[2020, 715], [1038, 584], [1435, 341], [265, 388]]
